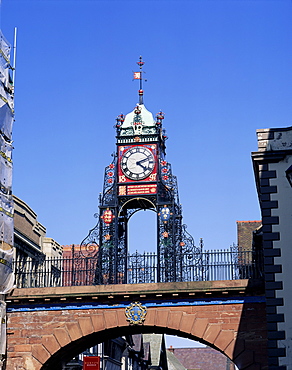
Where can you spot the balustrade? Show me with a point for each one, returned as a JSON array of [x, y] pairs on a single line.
[[211, 265]]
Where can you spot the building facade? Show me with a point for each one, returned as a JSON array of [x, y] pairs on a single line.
[[30, 240], [130, 352], [32, 247], [273, 168], [246, 231]]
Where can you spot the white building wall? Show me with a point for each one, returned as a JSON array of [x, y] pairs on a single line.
[[51, 248], [273, 159], [284, 212]]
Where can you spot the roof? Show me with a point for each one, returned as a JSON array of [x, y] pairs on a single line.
[[201, 358], [147, 117], [173, 362], [137, 342], [155, 341], [138, 122]]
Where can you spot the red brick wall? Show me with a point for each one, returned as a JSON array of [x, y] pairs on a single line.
[[245, 233], [238, 330]]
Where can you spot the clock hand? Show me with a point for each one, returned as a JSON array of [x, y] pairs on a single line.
[[138, 163], [142, 160]]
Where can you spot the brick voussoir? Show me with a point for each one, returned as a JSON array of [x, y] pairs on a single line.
[[161, 317], [111, 320], [40, 353], [86, 325], [74, 330], [122, 320], [37, 365], [62, 336], [224, 338], [187, 322], [174, 319], [98, 322], [50, 343], [212, 332], [150, 317], [199, 327], [229, 350]]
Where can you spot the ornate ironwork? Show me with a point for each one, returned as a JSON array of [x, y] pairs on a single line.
[[109, 184], [231, 264], [142, 268], [109, 238]]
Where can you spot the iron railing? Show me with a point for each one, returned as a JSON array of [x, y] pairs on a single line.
[[141, 268]]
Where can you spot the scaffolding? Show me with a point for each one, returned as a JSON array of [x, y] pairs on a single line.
[[7, 75]]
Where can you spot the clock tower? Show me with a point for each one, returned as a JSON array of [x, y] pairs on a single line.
[[140, 178]]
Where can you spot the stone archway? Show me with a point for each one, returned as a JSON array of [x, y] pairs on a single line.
[[40, 339]]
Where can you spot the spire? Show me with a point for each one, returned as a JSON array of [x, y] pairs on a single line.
[[139, 76]]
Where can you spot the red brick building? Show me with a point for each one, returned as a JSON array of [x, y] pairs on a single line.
[[202, 358], [245, 232], [78, 270]]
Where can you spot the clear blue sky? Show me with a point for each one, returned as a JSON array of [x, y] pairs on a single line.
[[218, 69]]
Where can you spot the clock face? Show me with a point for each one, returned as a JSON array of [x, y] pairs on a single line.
[[137, 163]]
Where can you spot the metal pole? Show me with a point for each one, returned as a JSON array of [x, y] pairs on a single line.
[[14, 57], [158, 248], [126, 250]]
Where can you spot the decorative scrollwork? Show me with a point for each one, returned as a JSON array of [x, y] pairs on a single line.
[[149, 130], [166, 174], [109, 183], [169, 181], [90, 245], [187, 243]]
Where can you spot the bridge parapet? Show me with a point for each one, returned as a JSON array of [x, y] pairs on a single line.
[[213, 265], [46, 325], [114, 292]]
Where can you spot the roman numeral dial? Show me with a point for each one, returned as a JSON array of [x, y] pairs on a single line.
[[137, 163]]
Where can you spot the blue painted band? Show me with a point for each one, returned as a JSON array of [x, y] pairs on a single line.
[[157, 303]]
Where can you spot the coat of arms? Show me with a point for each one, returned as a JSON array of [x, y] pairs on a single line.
[[165, 214], [135, 313]]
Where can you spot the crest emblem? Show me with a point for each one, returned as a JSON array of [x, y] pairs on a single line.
[[135, 313], [165, 214], [107, 216]]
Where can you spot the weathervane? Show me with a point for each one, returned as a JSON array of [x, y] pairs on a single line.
[[139, 76]]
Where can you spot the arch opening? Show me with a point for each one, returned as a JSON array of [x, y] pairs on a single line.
[[64, 356], [142, 232]]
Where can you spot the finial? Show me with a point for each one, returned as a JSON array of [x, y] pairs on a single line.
[[159, 118], [139, 76], [120, 120], [140, 63]]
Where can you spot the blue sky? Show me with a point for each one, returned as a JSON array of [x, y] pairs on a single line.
[[218, 69]]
